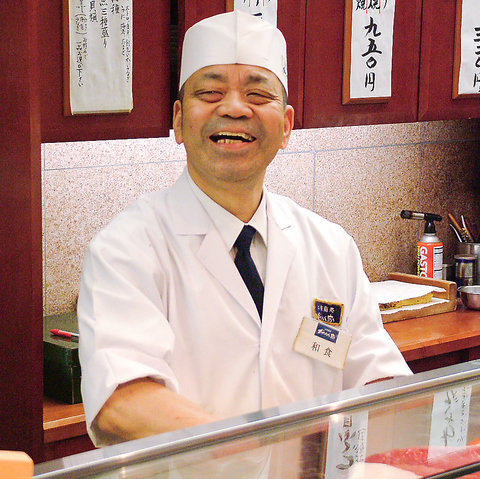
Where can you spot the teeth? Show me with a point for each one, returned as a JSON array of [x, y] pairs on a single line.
[[227, 137]]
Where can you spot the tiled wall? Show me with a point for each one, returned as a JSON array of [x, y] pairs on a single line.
[[360, 177]]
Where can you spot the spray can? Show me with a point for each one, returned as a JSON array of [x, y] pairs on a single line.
[[429, 247]]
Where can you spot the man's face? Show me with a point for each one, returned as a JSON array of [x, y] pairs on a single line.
[[232, 121]]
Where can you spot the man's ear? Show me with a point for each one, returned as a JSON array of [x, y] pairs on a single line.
[[177, 121], [289, 118]]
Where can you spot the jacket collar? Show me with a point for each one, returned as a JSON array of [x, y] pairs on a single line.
[[192, 218]]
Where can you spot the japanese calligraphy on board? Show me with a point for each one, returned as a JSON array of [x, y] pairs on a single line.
[[266, 9], [367, 67], [346, 444], [466, 80], [450, 417], [97, 56]]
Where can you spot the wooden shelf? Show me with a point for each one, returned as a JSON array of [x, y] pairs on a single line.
[[64, 429], [62, 421], [438, 340]]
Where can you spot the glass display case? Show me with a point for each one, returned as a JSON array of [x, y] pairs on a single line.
[[426, 425]]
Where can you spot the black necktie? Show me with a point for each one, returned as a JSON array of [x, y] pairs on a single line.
[[246, 266]]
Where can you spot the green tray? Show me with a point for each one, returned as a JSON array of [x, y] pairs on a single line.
[[61, 367]]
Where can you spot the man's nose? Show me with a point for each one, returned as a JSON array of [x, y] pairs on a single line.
[[234, 105]]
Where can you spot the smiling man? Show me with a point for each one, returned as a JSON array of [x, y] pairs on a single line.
[[215, 298], [232, 120]]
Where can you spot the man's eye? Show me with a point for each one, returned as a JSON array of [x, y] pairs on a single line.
[[260, 97], [210, 96]]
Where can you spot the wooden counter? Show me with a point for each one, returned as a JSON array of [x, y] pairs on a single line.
[[426, 343], [64, 429], [439, 340]]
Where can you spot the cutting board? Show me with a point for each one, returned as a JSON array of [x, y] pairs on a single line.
[[450, 294]]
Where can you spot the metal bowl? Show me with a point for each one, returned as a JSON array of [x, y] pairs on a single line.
[[470, 296]]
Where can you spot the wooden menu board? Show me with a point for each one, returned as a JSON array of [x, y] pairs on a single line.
[[152, 78], [367, 69]]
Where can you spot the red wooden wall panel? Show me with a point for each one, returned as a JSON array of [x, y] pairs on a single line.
[[436, 72], [192, 11], [151, 114], [189, 13], [21, 320], [291, 21], [324, 68]]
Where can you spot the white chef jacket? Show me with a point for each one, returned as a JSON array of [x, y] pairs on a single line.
[[160, 297], [229, 227]]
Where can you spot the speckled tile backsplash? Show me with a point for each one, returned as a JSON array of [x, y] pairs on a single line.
[[360, 177]]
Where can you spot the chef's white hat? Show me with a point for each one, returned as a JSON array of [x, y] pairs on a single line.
[[234, 37]]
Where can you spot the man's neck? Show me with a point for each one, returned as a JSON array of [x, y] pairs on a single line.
[[241, 199]]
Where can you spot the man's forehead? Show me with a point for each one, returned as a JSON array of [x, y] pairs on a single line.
[[247, 74]]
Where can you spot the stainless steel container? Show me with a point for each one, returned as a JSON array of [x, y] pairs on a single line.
[[474, 249], [465, 269], [470, 296]]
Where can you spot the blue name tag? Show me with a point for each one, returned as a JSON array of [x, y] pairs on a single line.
[[327, 312], [326, 332]]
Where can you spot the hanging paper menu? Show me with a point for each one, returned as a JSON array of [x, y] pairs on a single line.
[[367, 70], [98, 56], [467, 49]]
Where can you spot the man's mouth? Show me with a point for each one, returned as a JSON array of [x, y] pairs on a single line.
[[228, 137]]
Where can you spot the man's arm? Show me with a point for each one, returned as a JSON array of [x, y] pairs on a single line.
[[144, 407]]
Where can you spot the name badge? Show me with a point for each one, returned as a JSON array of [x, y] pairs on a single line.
[[328, 312], [323, 343]]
